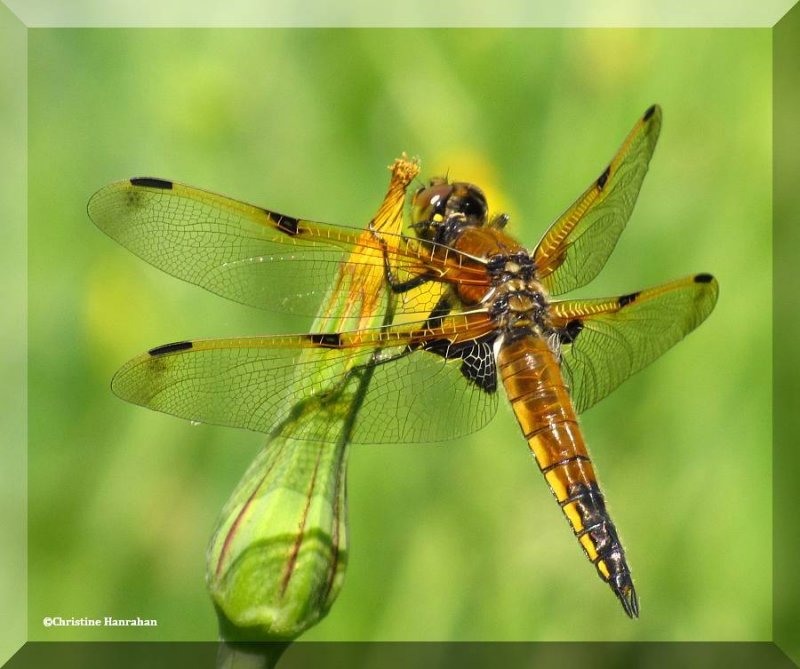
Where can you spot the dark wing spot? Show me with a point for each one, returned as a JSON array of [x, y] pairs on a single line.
[[571, 331], [478, 367], [332, 340], [477, 359], [150, 182], [601, 182], [287, 224], [650, 111], [703, 278], [170, 348], [625, 300]]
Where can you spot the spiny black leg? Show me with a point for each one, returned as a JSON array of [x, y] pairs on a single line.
[[394, 284], [442, 309], [377, 359], [404, 286], [357, 370]]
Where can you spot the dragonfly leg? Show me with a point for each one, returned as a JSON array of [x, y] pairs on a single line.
[[395, 284], [438, 313], [381, 358]]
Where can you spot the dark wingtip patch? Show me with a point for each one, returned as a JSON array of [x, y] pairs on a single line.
[[650, 111], [287, 224], [150, 182], [332, 340], [625, 300], [703, 278], [601, 181], [170, 348]]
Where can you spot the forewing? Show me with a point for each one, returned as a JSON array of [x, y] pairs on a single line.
[[259, 257], [578, 244], [266, 383], [604, 341]]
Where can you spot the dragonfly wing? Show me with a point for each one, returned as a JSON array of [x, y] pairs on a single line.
[[262, 383], [578, 244], [256, 256], [604, 341]]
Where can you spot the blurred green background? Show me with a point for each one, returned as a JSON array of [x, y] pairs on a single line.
[[458, 540]]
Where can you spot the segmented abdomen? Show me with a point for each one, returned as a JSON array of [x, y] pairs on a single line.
[[541, 402]]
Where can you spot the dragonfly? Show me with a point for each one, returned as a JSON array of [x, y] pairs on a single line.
[[473, 312]]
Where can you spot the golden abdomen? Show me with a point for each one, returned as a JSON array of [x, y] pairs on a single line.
[[535, 386]]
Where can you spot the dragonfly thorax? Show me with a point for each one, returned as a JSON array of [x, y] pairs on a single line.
[[519, 302], [505, 267]]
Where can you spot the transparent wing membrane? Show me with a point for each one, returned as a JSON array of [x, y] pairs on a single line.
[[262, 258], [260, 383], [607, 340], [578, 244]]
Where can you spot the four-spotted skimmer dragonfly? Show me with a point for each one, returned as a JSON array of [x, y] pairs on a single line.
[[472, 310]]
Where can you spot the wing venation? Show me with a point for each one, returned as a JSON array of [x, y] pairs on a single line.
[[260, 383], [579, 242], [605, 341], [262, 258]]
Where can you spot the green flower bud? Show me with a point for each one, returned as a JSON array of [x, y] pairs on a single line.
[[277, 559]]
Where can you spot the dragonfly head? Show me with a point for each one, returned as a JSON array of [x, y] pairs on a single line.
[[440, 210]]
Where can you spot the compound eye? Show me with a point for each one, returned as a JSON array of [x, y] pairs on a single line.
[[473, 204], [429, 204]]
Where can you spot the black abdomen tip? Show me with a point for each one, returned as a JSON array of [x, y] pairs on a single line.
[[703, 278], [650, 111], [151, 182]]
